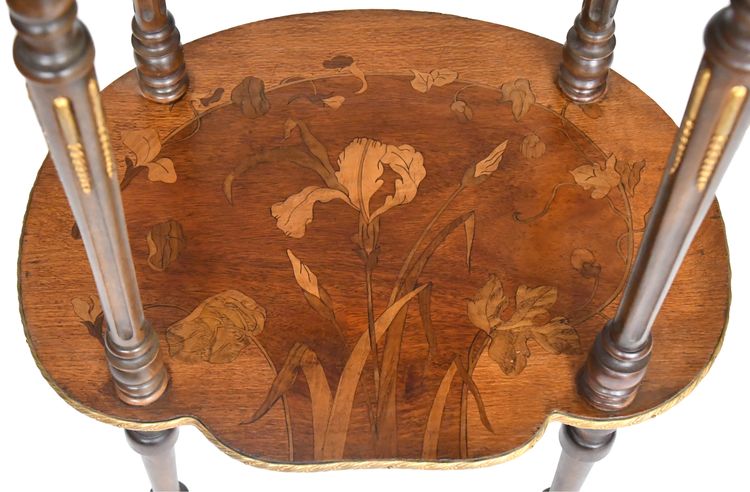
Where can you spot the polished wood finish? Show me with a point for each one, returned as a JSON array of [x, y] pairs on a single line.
[[714, 123], [715, 120], [310, 190], [54, 52], [157, 451], [588, 52], [160, 63], [581, 448]]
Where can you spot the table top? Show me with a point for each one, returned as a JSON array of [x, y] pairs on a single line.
[[412, 177]]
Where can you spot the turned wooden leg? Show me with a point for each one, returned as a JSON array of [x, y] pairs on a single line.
[[581, 448], [157, 450], [587, 54], [53, 50], [714, 123], [160, 63]]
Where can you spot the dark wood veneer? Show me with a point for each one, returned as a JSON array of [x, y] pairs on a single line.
[[560, 207]]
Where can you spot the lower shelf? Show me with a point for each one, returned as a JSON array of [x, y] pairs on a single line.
[[413, 177]]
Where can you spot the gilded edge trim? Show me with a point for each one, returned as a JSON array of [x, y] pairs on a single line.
[[561, 417], [727, 119], [69, 128], [101, 127], [699, 91]]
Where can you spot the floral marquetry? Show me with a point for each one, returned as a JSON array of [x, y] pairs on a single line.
[[367, 253]]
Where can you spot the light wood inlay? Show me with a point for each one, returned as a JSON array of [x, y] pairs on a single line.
[[446, 202]]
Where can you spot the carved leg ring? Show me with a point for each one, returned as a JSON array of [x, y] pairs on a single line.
[[715, 120], [587, 54], [158, 53], [157, 450], [581, 448], [610, 379]]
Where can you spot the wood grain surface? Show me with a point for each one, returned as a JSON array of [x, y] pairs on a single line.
[[332, 179]]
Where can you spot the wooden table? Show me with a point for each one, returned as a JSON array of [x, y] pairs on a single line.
[[418, 179]]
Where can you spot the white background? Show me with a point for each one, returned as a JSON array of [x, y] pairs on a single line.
[[699, 445]]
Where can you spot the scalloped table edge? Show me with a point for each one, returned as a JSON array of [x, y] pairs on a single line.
[[564, 418]]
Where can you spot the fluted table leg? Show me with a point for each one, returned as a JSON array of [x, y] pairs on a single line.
[[715, 121], [53, 50]]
